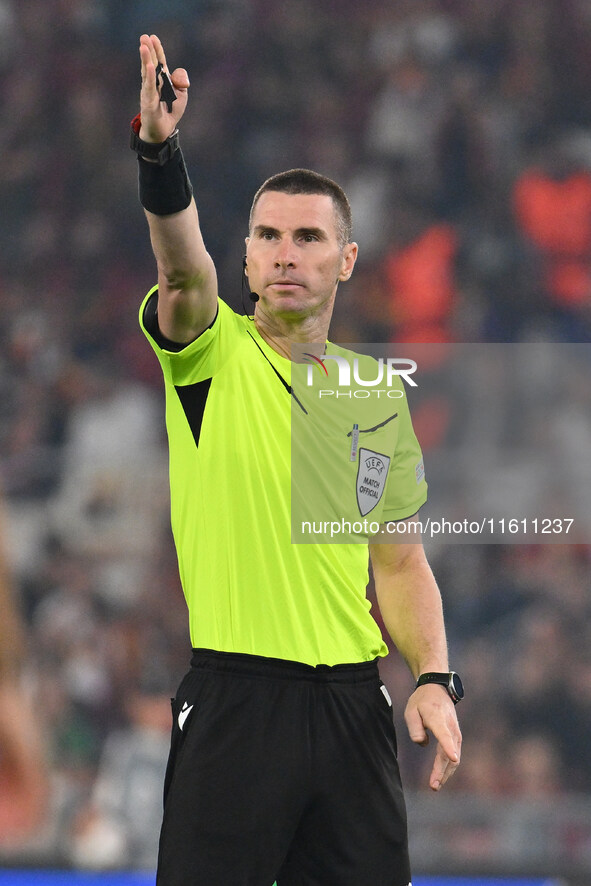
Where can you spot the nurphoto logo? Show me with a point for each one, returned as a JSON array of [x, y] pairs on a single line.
[[388, 371]]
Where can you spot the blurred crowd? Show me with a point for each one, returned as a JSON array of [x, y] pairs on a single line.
[[461, 130]]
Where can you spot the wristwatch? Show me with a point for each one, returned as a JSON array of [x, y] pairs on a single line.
[[451, 682]]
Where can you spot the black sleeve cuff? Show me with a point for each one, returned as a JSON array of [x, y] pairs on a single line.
[[152, 327]]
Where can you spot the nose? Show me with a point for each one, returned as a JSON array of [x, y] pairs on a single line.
[[285, 255]]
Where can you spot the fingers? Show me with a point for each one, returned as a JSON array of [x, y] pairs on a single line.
[[443, 767], [180, 79], [431, 711], [151, 55], [155, 49], [416, 728], [447, 757], [159, 50], [148, 66], [159, 116]]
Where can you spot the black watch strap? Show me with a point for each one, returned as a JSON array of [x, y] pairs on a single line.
[[160, 152], [450, 681]]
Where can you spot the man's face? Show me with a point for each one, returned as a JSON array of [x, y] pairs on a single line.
[[293, 257]]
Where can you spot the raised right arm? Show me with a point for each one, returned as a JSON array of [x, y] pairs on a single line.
[[187, 281]]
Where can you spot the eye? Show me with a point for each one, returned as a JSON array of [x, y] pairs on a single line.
[[309, 238], [267, 235]]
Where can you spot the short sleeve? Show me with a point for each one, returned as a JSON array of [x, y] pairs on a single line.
[[199, 359], [406, 490]]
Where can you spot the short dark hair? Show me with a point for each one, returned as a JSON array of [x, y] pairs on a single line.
[[305, 181]]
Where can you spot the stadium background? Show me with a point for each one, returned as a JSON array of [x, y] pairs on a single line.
[[461, 130]]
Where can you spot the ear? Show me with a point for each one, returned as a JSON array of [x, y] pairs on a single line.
[[244, 265], [348, 261]]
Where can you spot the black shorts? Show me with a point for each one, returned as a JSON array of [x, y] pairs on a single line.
[[283, 772]]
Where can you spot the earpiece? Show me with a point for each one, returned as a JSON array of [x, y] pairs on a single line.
[[253, 296]]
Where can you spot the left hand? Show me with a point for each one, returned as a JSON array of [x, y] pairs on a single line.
[[431, 708]]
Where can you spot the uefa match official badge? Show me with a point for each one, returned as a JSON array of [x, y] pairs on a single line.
[[372, 474]]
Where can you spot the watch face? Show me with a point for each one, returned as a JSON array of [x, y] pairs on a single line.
[[456, 685]]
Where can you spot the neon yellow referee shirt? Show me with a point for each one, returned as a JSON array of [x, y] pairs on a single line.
[[248, 587]]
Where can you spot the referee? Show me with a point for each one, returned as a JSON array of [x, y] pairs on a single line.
[[283, 753]]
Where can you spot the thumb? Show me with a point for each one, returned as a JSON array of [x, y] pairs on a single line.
[[416, 729], [180, 79]]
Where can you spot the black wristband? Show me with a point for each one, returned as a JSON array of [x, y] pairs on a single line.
[[161, 153], [164, 189]]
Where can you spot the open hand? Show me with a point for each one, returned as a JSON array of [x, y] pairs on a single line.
[[157, 121]]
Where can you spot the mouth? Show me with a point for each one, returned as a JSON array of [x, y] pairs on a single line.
[[285, 284]]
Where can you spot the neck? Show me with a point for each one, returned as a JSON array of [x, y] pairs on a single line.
[[280, 332]]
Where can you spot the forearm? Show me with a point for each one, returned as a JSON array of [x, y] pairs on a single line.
[[177, 243], [411, 607], [181, 257], [410, 604], [187, 285], [187, 290]]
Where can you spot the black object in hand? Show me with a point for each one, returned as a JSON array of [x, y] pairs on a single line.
[[165, 87]]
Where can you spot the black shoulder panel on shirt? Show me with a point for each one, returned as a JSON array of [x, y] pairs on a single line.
[[193, 399], [151, 324]]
